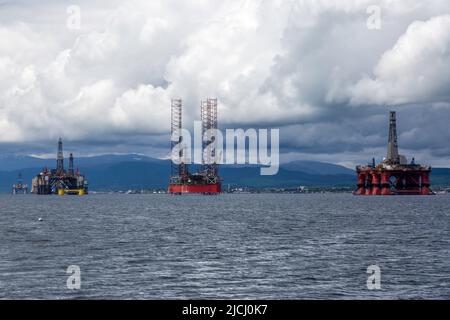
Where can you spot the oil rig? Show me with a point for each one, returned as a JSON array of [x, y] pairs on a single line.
[[20, 187], [60, 181], [206, 180], [394, 175]]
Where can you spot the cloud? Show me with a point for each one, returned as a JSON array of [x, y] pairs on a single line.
[[311, 68], [414, 70]]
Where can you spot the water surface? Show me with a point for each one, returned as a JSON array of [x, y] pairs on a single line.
[[229, 246]]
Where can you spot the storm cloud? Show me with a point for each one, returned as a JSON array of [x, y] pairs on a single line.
[[312, 68]]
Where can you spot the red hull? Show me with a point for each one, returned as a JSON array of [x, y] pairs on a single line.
[[401, 181], [186, 188], [397, 193]]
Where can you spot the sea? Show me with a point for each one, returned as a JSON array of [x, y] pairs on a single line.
[[230, 246]]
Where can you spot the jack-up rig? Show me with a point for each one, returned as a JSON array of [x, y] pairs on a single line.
[[60, 181], [20, 187], [393, 176], [206, 180]]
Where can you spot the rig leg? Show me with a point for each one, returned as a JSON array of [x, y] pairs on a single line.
[[376, 190]]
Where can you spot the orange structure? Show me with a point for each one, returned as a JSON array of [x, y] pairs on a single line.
[[393, 176]]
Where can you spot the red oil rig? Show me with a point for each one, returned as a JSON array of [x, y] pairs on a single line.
[[206, 180], [393, 176]]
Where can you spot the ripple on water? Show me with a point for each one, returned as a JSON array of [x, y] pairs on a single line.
[[231, 246]]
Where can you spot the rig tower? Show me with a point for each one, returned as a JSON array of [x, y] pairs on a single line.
[[208, 111], [206, 180], [179, 171], [70, 171], [394, 175], [60, 159]]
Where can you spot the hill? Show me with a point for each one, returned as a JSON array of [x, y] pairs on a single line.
[[125, 172]]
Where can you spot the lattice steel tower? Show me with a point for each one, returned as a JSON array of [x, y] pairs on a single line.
[[209, 125], [177, 169]]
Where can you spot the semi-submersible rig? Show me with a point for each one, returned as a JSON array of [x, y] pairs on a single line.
[[206, 180], [20, 187], [60, 181], [393, 176]]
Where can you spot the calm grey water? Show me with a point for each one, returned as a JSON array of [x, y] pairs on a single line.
[[227, 246]]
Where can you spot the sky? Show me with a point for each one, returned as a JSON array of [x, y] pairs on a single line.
[[101, 74]]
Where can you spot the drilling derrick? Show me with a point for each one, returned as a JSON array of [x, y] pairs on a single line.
[[393, 176], [70, 171], [392, 153], [205, 181], [60, 159]]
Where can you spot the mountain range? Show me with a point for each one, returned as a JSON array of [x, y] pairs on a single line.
[[132, 171]]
